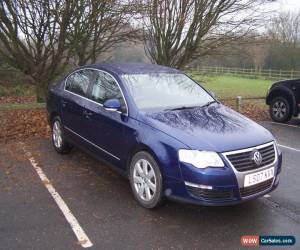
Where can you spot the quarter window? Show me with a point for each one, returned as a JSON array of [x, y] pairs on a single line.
[[78, 82], [105, 87]]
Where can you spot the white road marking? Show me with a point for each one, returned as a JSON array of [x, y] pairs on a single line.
[[283, 146], [83, 239], [267, 196], [284, 124]]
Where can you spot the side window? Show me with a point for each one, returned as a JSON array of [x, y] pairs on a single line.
[[78, 82], [105, 87]]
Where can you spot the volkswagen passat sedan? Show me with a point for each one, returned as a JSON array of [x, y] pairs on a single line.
[[165, 132]]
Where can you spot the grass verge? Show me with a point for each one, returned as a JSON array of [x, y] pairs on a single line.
[[17, 90], [15, 106], [230, 86]]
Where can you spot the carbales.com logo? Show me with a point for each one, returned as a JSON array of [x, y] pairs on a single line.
[[255, 240]]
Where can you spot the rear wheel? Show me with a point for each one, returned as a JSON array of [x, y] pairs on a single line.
[[146, 180], [280, 110], [58, 138]]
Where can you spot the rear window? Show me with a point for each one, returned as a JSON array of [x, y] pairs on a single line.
[[78, 82]]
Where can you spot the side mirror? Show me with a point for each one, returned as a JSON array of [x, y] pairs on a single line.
[[112, 105]]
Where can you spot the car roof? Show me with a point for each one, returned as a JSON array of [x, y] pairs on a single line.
[[132, 68]]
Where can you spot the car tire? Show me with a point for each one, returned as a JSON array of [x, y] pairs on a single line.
[[146, 180], [280, 110], [58, 138]]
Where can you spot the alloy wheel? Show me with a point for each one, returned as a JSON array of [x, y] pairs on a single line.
[[144, 180], [279, 109], [57, 134]]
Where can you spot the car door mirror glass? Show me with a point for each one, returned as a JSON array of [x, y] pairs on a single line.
[[112, 105]]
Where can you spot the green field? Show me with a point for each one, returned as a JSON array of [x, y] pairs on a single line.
[[229, 86]]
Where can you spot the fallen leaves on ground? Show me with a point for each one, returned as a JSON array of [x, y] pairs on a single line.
[[252, 110], [19, 124]]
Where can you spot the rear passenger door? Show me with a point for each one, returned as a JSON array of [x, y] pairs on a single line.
[[106, 128], [74, 99]]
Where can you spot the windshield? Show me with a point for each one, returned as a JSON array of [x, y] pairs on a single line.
[[165, 91]]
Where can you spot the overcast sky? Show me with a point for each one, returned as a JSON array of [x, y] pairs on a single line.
[[286, 5]]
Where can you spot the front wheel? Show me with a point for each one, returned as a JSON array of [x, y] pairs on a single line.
[[280, 110], [146, 180]]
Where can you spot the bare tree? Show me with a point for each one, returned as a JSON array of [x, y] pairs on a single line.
[[284, 32], [41, 37], [257, 50], [98, 26], [286, 28], [178, 31], [33, 34]]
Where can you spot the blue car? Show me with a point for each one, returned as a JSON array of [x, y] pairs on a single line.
[[165, 133]]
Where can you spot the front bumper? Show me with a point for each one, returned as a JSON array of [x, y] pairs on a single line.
[[203, 202], [219, 186]]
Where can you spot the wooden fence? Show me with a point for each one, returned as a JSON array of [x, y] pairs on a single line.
[[249, 73]]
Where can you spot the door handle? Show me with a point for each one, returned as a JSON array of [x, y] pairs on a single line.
[[87, 114], [64, 103]]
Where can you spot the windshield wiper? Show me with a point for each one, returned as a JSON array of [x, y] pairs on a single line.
[[209, 103], [181, 108]]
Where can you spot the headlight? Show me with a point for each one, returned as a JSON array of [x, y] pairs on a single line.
[[200, 159]]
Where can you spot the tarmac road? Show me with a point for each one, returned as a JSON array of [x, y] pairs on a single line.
[[105, 210]]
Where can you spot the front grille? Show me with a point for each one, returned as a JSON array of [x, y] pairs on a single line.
[[260, 187], [209, 194], [243, 162]]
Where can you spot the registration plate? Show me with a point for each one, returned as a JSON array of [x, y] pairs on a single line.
[[258, 177]]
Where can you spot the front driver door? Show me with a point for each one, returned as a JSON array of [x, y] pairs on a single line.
[[106, 128]]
